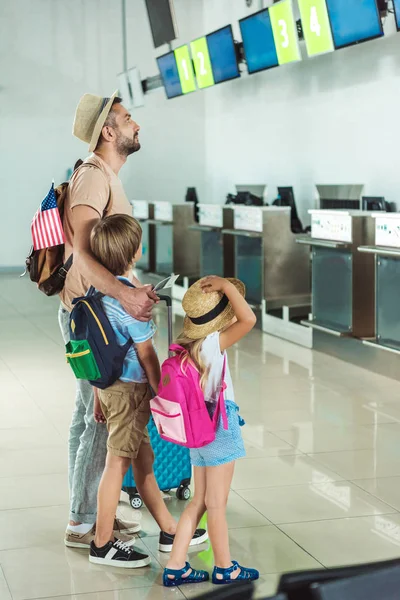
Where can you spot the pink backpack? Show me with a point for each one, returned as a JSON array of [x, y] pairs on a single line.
[[179, 410]]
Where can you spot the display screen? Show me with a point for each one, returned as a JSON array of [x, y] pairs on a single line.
[[285, 32], [316, 26], [202, 63], [258, 42], [185, 69], [222, 53], [170, 75], [354, 21], [162, 21], [396, 4]]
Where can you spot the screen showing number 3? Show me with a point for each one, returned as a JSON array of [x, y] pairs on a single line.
[[284, 33]]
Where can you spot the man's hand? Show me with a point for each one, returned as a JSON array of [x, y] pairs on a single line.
[[97, 410], [138, 302]]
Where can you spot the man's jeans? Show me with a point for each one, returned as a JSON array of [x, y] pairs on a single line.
[[87, 447]]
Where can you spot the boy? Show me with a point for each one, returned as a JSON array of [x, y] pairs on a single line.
[[125, 406]]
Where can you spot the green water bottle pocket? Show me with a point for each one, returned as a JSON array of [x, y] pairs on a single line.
[[80, 356]]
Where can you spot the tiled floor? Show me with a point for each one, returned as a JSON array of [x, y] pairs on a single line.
[[320, 485]]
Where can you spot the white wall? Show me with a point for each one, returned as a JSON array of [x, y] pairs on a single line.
[[52, 52], [332, 119]]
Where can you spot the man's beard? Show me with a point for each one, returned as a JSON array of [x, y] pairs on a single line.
[[126, 146]]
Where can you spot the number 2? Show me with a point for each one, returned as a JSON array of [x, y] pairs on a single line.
[[203, 70], [284, 33], [314, 22]]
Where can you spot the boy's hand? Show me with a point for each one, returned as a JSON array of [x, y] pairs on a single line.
[[97, 410], [213, 284]]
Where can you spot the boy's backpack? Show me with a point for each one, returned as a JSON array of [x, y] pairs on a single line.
[[46, 267], [179, 410], [93, 351]]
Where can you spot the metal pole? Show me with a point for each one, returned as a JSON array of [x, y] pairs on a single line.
[[124, 37]]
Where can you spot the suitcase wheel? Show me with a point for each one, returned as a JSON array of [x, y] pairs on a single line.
[[183, 492], [136, 501]]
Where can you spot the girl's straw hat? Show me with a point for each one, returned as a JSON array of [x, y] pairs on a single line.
[[90, 116], [206, 313]]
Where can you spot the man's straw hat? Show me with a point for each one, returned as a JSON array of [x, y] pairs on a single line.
[[206, 313], [90, 116]]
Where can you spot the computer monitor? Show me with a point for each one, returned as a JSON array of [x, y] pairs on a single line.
[[170, 75], [162, 21], [375, 203], [396, 6], [286, 198], [354, 21], [222, 51], [258, 42]]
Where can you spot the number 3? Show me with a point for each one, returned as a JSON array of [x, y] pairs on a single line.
[[284, 33], [314, 23]]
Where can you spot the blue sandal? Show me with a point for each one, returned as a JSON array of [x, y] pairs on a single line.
[[244, 575], [194, 577]]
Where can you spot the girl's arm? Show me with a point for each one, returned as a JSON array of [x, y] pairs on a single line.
[[245, 317], [149, 360]]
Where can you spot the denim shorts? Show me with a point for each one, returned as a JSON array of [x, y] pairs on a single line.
[[228, 444]]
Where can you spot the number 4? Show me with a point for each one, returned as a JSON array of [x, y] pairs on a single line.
[[314, 23]]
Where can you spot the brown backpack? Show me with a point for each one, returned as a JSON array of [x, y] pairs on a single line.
[[46, 267]]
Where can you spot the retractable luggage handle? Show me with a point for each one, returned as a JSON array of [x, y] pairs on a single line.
[[168, 302]]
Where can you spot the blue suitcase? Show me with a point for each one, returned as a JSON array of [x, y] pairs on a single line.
[[172, 466]]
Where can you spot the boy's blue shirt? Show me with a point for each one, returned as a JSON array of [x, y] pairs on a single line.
[[126, 327]]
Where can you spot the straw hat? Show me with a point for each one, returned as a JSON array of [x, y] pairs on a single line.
[[206, 313], [90, 116]]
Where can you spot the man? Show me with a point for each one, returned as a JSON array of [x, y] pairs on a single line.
[[96, 191]]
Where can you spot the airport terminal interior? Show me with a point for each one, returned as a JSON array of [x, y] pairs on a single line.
[[269, 153]]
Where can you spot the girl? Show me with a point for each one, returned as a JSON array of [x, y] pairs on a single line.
[[217, 316]]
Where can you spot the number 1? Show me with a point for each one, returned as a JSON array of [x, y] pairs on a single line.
[[185, 68], [314, 22], [203, 70], [284, 33]]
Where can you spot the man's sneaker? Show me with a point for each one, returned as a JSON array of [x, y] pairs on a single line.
[[126, 527], [118, 554], [83, 540], [167, 539]]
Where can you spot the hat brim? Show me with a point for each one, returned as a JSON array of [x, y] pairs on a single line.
[[198, 332], [100, 122]]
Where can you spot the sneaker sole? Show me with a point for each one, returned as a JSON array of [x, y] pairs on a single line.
[[133, 564], [129, 531], [194, 542]]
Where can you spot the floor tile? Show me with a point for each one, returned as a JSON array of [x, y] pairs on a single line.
[[25, 528], [239, 514], [54, 570], [33, 490], [154, 593], [29, 438], [263, 444], [264, 548], [43, 460], [5, 593], [360, 464], [279, 471], [311, 438], [349, 541], [384, 488], [314, 502]]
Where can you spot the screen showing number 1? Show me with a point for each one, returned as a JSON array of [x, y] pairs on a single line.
[[202, 63]]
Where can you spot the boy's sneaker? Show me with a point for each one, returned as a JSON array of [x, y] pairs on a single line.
[[118, 554], [83, 540], [167, 539]]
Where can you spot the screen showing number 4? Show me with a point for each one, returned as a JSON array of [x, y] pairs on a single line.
[[316, 26]]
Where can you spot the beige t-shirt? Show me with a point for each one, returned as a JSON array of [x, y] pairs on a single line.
[[100, 188]]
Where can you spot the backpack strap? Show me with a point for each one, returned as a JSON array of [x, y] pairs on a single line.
[[177, 349], [221, 399]]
